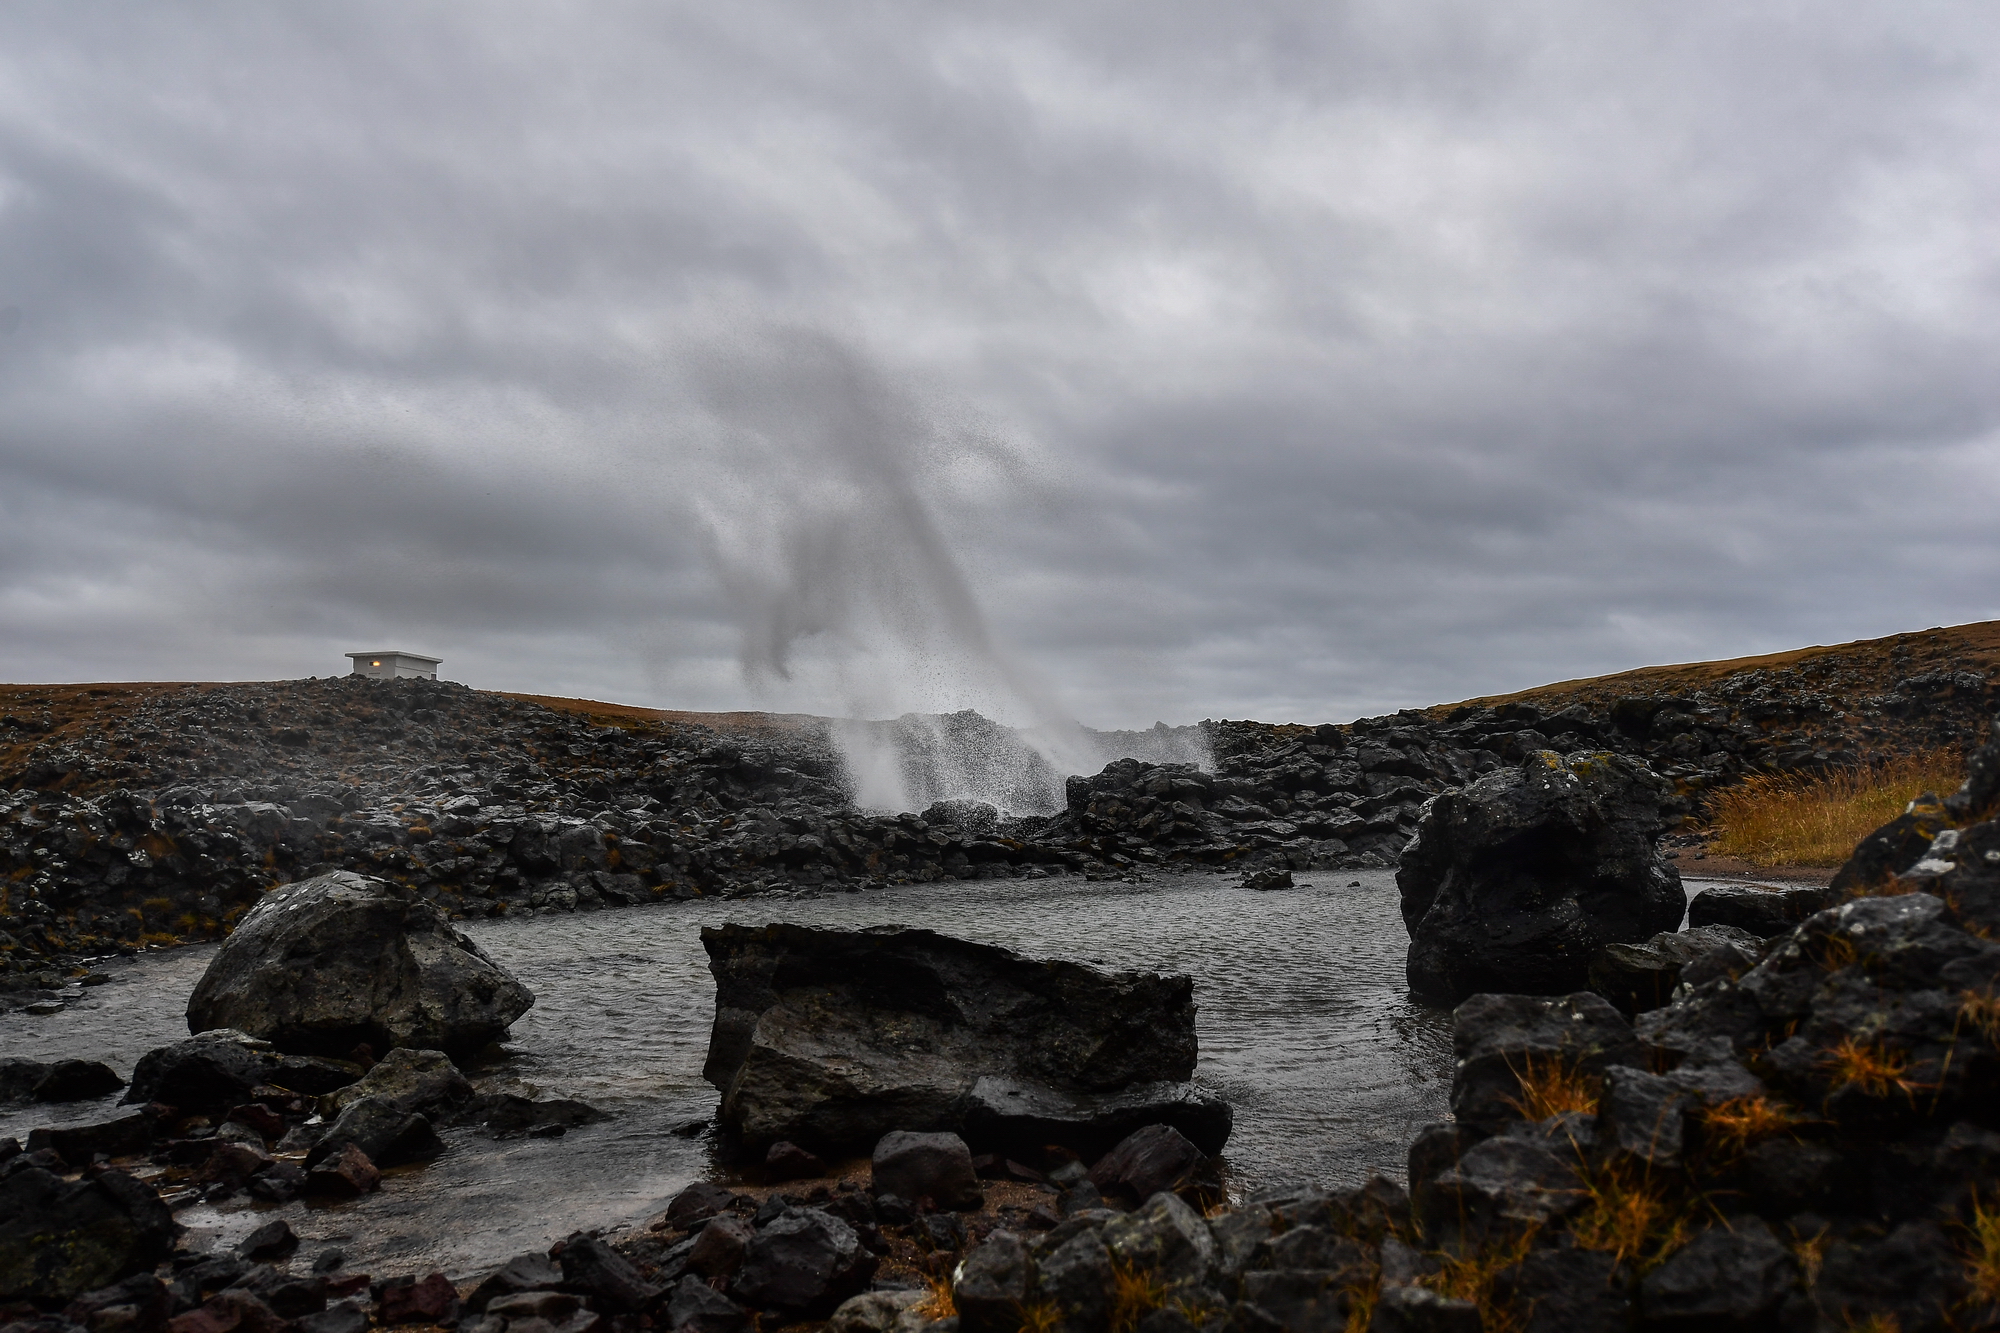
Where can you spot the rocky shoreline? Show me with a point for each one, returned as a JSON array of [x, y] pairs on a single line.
[[142, 815], [1780, 1118], [1801, 1135]]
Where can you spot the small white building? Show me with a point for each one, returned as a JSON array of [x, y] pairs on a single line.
[[394, 664]]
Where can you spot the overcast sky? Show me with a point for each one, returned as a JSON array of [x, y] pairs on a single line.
[[1147, 361]]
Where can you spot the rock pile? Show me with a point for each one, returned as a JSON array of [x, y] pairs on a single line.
[[1803, 1136], [220, 1116], [832, 1038]]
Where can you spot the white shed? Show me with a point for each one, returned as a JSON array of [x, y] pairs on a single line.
[[394, 664]]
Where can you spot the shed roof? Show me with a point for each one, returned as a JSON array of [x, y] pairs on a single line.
[[397, 652]]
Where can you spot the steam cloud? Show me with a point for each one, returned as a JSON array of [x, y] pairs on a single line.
[[850, 599]]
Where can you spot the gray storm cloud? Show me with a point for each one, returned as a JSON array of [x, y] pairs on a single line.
[[1339, 357]]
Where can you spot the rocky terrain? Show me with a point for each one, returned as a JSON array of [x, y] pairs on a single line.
[[142, 814], [1798, 1130], [1801, 1135]]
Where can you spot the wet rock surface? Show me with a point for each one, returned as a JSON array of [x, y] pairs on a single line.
[[1638, 977], [832, 1039], [1514, 882], [340, 960], [1756, 909]]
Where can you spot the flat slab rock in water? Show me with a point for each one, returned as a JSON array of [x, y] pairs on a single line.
[[832, 1038]]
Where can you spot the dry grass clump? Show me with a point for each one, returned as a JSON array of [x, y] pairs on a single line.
[[1467, 1275], [1884, 1322], [1135, 1293], [1791, 820], [1979, 1011], [938, 1302], [1735, 1124], [1982, 1254], [1361, 1307], [1041, 1317], [1551, 1086], [1871, 1066], [1630, 1214]]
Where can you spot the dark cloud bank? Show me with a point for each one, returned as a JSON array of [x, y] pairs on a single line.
[[1292, 361]]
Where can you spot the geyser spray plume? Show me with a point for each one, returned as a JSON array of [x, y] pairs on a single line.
[[847, 592]]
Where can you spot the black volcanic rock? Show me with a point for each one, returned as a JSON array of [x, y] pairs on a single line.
[[1637, 977], [1760, 911], [59, 1239], [832, 1038], [1514, 882], [214, 1070], [329, 962]]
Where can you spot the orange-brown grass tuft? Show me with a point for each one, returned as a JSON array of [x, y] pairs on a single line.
[[1735, 1124], [1361, 1307], [1194, 1313], [1870, 1066], [1833, 951], [1982, 1253], [1810, 1253], [938, 1302], [1882, 1322], [1467, 1275], [1783, 819], [1041, 1317], [1135, 1293], [1629, 1214], [1550, 1086], [1979, 1011]]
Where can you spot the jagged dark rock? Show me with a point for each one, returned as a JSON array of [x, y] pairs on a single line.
[[798, 1053], [1514, 882], [387, 1134], [1637, 977], [59, 1239], [60, 1081], [804, 1262]]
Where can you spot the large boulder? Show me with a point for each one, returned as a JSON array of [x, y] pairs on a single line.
[[326, 963], [833, 1038], [1514, 882]]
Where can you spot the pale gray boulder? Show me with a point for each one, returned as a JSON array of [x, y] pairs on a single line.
[[340, 959]]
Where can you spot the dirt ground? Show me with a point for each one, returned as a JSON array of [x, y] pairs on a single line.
[[1695, 864]]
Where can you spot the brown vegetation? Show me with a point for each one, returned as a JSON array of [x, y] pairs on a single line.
[[1736, 1124], [1551, 1086], [1815, 820]]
